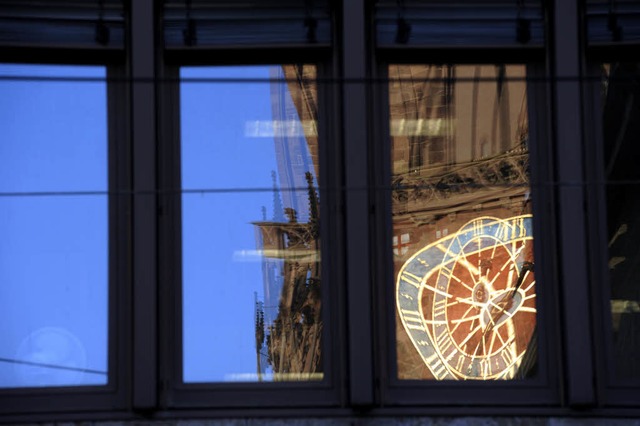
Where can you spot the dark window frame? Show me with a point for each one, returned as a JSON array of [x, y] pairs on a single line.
[[45, 400], [611, 391], [539, 391], [176, 394], [607, 38], [431, 396], [142, 139]]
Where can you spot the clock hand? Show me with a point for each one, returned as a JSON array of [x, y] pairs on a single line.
[[499, 309], [486, 330], [495, 312], [526, 267], [503, 306]]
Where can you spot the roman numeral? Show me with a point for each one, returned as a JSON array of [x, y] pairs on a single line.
[[440, 308], [445, 270], [423, 262], [504, 231], [451, 355], [444, 343], [459, 363], [478, 227], [519, 225], [485, 367], [413, 319], [412, 279], [506, 357], [439, 371], [406, 296], [512, 229], [431, 359]]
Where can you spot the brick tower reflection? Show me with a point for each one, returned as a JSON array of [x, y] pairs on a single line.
[[289, 338], [288, 321], [459, 138]]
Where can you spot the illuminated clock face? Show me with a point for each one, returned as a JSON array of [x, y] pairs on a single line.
[[467, 301]]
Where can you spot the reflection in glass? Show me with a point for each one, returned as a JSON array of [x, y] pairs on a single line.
[[250, 224], [462, 225], [54, 227], [621, 127]]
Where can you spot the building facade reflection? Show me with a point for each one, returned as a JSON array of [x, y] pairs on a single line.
[[289, 319], [462, 227], [460, 197]]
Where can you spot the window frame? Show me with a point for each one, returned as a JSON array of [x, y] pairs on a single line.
[[45, 400], [234, 396], [430, 396], [539, 391], [611, 392]]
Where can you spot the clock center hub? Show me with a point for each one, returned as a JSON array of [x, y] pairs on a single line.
[[480, 293]]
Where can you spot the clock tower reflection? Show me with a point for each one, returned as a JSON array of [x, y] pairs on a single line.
[[288, 339], [460, 187]]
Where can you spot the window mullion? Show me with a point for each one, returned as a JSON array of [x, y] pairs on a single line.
[[597, 222], [143, 122], [355, 96], [572, 222]]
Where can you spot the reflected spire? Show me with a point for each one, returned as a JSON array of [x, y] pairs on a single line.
[[313, 205], [278, 210]]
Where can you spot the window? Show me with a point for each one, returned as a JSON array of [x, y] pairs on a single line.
[[465, 287], [610, 33], [619, 111], [462, 175], [252, 287], [65, 208], [55, 226], [245, 273]]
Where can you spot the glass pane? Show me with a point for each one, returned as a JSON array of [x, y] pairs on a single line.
[[54, 226], [621, 127], [462, 225], [250, 230]]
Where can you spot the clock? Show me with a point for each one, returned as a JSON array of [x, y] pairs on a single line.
[[467, 301]]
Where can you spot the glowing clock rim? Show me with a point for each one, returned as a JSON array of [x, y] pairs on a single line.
[[408, 304]]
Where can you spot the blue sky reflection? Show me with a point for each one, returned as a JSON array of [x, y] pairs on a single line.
[[54, 251], [222, 272]]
